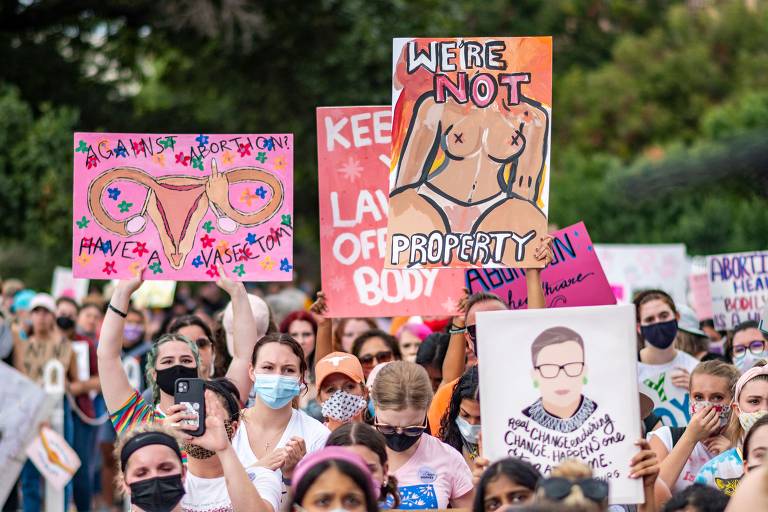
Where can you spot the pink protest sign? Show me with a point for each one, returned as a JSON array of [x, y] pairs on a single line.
[[353, 146], [182, 205], [574, 278], [701, 296]]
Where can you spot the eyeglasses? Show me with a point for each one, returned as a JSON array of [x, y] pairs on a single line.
[[202, 342], [560, 488], [412, 431], [384, 356], [550, 371], [757, 347]]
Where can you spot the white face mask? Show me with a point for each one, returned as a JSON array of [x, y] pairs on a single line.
[[342, 406], [470, 433], [748, 360]]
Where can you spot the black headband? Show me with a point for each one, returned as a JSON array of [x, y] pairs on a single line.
[[146, 439]]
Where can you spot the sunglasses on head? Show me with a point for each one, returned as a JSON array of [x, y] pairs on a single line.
[[411, 431], [558, 488], [384, 356]]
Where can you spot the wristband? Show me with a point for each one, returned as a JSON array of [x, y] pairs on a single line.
[[113, 308], [456, 330]]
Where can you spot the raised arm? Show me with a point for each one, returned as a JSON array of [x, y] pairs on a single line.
[[324, 338], [455, 355], [116, 389], [536, 298], [244, 334]]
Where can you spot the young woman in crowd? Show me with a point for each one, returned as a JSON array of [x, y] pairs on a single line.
[[216, 479], [683, 451], [375, 346], [506, 483], [302, 327], [409, 337], [746, 345], [401, 396], [151, 471], [750, 403], [656, 318], [341, 388], [347, 330], [334, 479], [460, 426], [194, 328], [370, 445], [755, 445], [272, 433]]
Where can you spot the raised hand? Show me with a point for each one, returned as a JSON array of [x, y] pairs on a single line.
[[174, 417], [645, 464], [228, 284], [543, 251], [215, 437], [319, 308]]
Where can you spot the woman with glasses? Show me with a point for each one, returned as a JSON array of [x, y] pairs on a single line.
[[194, 328], [559, 373], [374, 347], [746, 345], [430, 473]]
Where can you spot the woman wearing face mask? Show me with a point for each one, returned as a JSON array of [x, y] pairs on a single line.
[[460, 426], [151, 469], [683, 451], [341, 389], [430, 473], [506, 483], [336, 480], [172, 357], [660, 361], [216, 479], [746, 345], [272, 433], [750, 403], [369, 444]]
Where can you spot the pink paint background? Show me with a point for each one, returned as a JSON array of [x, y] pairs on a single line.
[[592, 291], [279, 162], [337, 280]]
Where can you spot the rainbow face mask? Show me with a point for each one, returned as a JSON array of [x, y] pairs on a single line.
[[722, 409]]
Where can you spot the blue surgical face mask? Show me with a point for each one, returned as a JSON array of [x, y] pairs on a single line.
[[748, 360], [470, 433], [276, 390]]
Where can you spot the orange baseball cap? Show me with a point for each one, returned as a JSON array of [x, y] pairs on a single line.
[[338, 362]]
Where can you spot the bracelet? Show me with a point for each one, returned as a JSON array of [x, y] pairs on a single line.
[[113, 308], [456, 330]]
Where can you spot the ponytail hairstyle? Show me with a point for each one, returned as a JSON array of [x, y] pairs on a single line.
[[361, 434], [152, 356], [468, 387], [400, 385]]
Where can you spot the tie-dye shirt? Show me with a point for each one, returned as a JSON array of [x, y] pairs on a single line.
[[723, 472], [135, 411]]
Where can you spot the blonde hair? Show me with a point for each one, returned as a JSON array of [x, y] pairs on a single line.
[[717, 368], [400, 385], [572, 469], [124, 438]]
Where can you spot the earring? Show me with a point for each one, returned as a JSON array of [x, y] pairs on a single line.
[[584, 380]]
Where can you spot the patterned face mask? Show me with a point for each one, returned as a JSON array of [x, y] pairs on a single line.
[[747, 419], [198, 452], [343, 406], [723, 410]]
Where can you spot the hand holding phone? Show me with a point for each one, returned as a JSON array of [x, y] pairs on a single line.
[[191, 394]]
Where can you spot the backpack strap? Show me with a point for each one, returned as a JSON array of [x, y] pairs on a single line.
[[677, 433]]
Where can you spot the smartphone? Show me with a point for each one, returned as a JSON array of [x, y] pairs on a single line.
[[191, 394]]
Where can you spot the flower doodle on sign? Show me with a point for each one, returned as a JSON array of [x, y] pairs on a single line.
[[176, 205]]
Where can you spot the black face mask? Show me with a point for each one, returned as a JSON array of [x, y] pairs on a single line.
[[65, 323], [166, 378], [660, 335], [400, 442], [159, 494]]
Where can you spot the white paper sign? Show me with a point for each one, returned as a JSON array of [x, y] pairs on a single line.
[[53, 457], [65, 285], [23, 404], [738, 284], [633, 268], [559, 384]]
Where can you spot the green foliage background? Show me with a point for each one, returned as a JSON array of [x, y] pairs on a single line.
[[660, 106]]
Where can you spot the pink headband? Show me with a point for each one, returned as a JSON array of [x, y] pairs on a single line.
[[334, 453], [748, 376]]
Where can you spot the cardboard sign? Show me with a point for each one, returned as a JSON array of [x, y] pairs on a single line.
[[701, 296], [574, 278], [65, 285], [471, 126], [353, 163], [24, 405], [574, 376], [181, 205], [53, 457], [633, 268], [739, 287]]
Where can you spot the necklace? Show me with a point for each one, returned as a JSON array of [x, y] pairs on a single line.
[[273, 438]]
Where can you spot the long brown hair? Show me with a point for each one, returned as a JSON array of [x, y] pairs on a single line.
[[286, 340]]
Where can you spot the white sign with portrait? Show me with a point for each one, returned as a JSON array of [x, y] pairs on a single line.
[[559, 384]]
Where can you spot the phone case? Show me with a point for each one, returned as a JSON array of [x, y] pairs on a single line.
[[191, 393]]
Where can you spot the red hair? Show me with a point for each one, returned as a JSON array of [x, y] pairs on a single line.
[[299, 314]]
